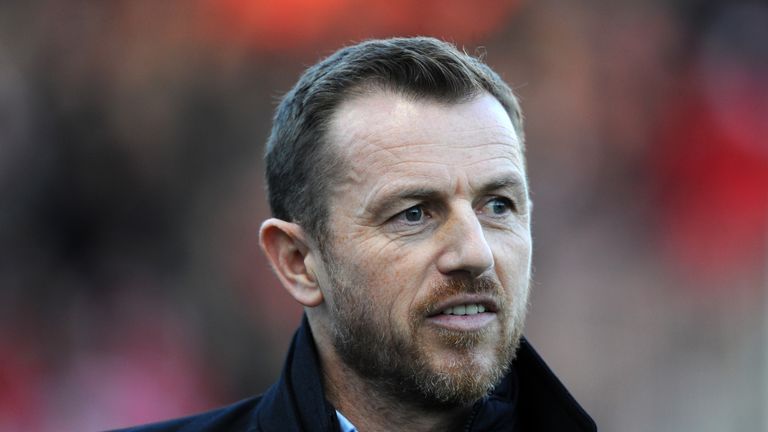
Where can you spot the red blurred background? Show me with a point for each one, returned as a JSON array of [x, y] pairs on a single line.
[[131, 137]]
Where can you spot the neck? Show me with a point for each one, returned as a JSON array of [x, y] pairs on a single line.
[[371, 411]]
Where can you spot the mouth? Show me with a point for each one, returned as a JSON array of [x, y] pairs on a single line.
[[464, 309], [466, 313]]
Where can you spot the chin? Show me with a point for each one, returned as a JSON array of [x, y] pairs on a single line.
[[459, 379]]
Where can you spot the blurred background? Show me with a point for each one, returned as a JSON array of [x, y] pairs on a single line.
[[131, 136]]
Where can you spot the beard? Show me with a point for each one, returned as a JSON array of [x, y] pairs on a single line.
[[396, 362]]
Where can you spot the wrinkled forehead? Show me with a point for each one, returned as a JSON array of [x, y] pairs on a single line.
[[382, 126]]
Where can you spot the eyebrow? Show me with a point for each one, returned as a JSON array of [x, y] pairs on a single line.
[[426, 193], [390, 201], [509, 181]]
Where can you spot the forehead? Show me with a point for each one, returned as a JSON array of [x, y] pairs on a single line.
[[387, 134]]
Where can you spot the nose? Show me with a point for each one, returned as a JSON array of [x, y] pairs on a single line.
[[466, 249]]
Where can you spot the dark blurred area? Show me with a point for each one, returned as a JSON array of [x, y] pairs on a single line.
[[131, 135]]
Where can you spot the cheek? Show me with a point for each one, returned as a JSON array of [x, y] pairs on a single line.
[[392, 279], [513, 259]]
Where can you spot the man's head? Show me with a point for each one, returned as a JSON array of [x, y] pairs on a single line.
[[301, 164], [407, 238]]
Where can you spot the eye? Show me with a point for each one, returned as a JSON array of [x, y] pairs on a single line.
[[414, 214], [412, 220], [499, 206]]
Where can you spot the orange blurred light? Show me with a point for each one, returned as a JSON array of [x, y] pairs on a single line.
[[301, 25]]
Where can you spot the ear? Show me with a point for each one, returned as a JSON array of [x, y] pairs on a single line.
[[288, 250]]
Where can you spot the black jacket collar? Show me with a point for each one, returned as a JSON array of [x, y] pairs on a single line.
[[296, 402], [530, 398]]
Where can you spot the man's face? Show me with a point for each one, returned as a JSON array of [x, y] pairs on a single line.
[[426, 269]]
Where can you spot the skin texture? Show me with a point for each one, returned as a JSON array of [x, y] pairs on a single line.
[[432, 212]]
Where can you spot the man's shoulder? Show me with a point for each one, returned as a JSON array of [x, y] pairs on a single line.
[[234, 417]]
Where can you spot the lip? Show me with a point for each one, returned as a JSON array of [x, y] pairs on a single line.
[[464, 322], [490, 305]]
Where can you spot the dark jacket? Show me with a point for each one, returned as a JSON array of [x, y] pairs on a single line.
[[530, 398]]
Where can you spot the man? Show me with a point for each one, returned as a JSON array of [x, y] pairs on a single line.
[[401, 222]]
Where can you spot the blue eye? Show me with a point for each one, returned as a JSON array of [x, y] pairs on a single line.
[[499, 206], [414, 214]]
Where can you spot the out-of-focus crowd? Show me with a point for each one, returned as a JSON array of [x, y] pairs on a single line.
[[131, 138]]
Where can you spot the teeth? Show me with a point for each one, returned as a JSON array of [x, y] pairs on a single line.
[[469, 309]]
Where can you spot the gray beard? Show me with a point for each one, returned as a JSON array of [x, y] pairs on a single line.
[[396, 366]]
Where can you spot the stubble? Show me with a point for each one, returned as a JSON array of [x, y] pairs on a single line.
[[395, 362]]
